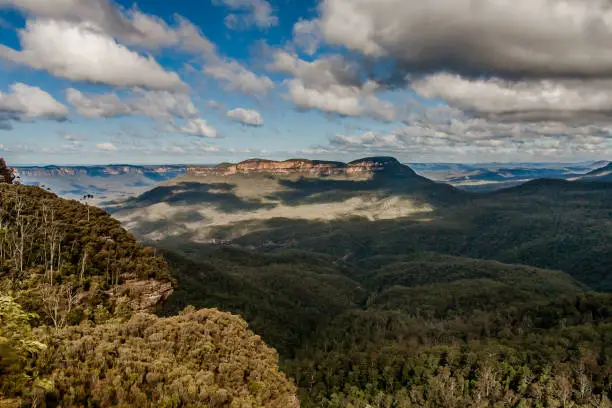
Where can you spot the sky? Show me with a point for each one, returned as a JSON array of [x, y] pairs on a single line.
[[208, 81]]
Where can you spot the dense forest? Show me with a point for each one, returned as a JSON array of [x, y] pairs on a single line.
[[76, 296], [419, 330], [486, 305], [491, 302]]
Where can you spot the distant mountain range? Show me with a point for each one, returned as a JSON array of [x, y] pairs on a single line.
[[494, 176], [103, 182], [115, 182]]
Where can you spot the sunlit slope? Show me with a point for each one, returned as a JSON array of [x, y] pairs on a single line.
[[205, 208]]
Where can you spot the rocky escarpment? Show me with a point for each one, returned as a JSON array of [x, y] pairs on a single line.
[[303, 167], [6, 174], [144, 296]]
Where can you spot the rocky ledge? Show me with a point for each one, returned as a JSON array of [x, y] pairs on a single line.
[[304, 167]]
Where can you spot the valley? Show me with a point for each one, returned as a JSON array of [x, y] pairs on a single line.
[[305, 204], [395, 302], [376, 286]]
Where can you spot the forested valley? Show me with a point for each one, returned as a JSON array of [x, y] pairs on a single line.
[[487, 305]]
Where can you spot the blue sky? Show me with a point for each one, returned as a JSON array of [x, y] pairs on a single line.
[[97, 81]]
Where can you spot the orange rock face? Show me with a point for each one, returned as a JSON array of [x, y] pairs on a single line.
[[301, 167]]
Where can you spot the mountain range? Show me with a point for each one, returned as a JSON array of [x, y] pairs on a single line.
[[115, 182], [103, 182]]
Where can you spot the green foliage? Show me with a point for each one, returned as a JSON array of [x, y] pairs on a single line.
[[18, 349], [519, 357], [85, 276], [196, 359], [411, 330], [58, 255], [283, 298]]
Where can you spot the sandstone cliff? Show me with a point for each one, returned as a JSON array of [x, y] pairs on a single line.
[[303, 167]]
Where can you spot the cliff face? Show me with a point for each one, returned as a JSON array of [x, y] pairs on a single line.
[[6, 174], [303, 167]]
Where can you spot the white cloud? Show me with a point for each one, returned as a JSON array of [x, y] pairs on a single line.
[[444, 133], [192, 39], [108, 147], [81, 52], [250, 13], [150, 31], [246, 116], [195, 127], [307, 35], [524, 100], [28, 103], [100, 12], [508, 38], [154, 104], [236, 77], [99, 106], [159, 105], [132, 27], [215, 105], [332, 85]]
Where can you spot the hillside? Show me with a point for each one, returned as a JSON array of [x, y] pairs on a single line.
[[226, 201], [76, 293], [602, 174], [54, 245]]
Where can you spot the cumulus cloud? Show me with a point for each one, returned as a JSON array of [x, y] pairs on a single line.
[[307, 35], [248, 13], [81, 52], [26, 102], [163, 106], [108, 147], [154, 104], [505, 38], [131, 27], [246, 116], [86, 40], [236, 77], [538, 100], [195, 127], [444, 133], [100, 12], [192, 39], [331, 84]]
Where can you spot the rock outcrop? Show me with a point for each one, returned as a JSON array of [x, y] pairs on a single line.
[[144, 295], [6, 174], [303, 167]]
